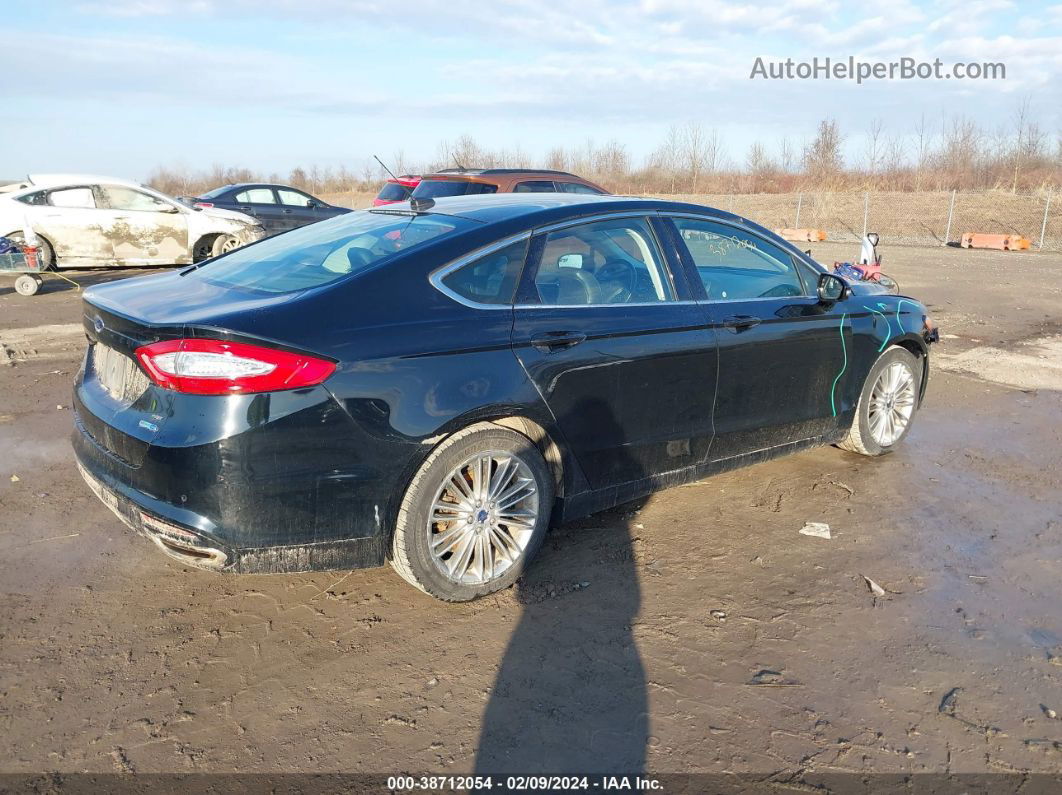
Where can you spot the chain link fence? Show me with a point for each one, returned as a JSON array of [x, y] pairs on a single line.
[[916, 219]]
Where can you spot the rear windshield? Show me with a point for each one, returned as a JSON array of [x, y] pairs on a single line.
[[320, 253], [434, 188], [213, 194], [393, 192]]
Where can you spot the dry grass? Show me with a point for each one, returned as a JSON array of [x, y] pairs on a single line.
[[899, 217]]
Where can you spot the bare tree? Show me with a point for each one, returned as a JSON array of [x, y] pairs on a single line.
[[875, 146], [923, 150], [961, 151], [787, 156], [822, 157]]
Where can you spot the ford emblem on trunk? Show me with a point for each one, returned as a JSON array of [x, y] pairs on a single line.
[[98, 324]]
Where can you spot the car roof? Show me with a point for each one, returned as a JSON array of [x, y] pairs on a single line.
[[485, 172], [55, 180], [234, 185], [549, 207]]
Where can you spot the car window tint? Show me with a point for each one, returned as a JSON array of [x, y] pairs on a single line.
[[121, 198], [72, 197], [605, 262], [40, 197], [394, 192], [256, 196], [535, 186], [315, 255], [216, 193], [292, 198], [734, 264], [491, 279], [575, 187], [436, 188]]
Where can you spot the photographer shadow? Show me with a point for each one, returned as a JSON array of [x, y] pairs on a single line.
[[570, 693]]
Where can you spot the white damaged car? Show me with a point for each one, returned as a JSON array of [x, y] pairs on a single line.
[[83, 221]]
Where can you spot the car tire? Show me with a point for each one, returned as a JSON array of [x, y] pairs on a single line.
[[223, 244], [46, 252], [488, 543], [891, 389]]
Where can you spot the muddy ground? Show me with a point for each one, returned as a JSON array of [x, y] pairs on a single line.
[[695, 632]]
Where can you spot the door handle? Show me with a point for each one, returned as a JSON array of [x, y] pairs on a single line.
[[551, 341], [287, 212], [738, 323], [244, 209]]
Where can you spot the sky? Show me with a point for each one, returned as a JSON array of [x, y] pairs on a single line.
[[119, 87]]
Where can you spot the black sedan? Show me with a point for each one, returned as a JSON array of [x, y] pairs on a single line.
[[431, 385], [277, 207]]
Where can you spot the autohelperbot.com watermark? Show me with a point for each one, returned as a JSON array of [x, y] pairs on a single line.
[[852, 68]]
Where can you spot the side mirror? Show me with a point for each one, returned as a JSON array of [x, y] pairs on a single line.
[[311, 203], [172, 209], [833, 288]]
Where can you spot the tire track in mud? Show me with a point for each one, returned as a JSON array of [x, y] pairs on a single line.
[[1031, 364], [55, 341]]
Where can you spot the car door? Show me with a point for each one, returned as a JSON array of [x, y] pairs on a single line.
[[143, 229], [71, 220], [298, 209], [261, 203], [618, 351], [781, 349]]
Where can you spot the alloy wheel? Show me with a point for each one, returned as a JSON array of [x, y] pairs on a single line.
[[483, 517], [892, 402]]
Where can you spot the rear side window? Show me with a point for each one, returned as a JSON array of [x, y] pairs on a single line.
[[315, 255], [735, 265], [535, 186], [393, 192], [256, 196], [491, 279], [437, 188], [575, 187], [72, 197]]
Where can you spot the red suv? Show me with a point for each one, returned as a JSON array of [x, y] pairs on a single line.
[[396, 189]]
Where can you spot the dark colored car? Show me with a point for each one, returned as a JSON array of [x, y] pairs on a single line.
[[396, 189], [430, 386], [279, 208], [469, 182]]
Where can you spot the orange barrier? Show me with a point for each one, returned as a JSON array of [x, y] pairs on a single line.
[[998, 242], [803, 235]]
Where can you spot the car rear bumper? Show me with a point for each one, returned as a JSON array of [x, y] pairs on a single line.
[[246, 504], [180, 534]]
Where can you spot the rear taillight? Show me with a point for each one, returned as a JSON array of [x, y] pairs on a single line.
[[216, 367], [203, 205]]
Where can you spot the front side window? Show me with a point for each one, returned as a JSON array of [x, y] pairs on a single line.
[[256, 196], [605, 262], [491, 279], [292, 198], [72, 197], [535, 186], [119, 197], [315, 255], [438, 188], [736, 265]]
